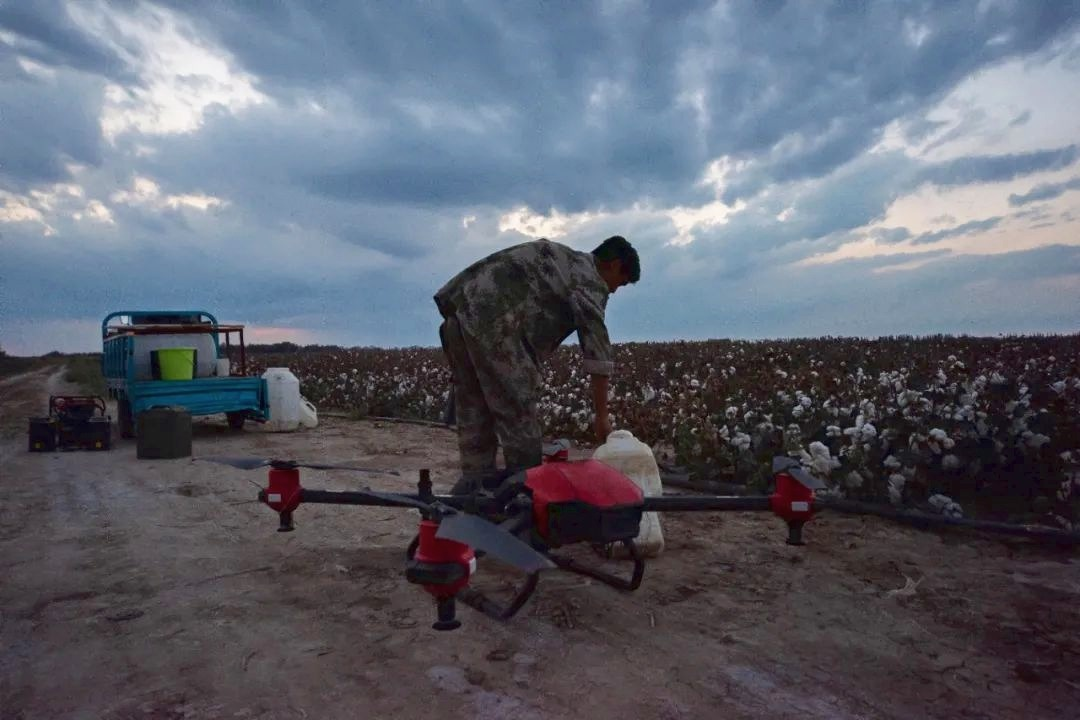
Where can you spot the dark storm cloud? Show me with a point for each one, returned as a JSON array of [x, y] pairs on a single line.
[[999, 168], [968, 228], [44, 124], [388, 124], [892, 235], [49, 36], [1045, 191], [799, 88], [1021, 119]]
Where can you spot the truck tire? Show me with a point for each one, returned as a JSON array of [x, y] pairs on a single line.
[[123, 416], [236, 419]]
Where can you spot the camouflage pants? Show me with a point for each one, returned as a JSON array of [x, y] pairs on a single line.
[[495, 389]]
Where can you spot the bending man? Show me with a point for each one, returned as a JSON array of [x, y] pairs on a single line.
[[506, 314]]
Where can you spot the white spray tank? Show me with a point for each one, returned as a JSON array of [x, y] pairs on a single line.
[[635, 460], [283, 389]]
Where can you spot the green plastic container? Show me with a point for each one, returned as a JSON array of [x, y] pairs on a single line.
[[174, 363]]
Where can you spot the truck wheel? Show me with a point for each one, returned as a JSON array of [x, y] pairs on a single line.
[[124, 419], [236, 420]]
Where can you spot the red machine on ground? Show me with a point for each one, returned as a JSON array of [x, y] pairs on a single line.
[[74, 422], [521, 519]]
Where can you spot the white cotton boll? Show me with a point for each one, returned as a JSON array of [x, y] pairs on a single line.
[[695, 383], [741, 441], [822, 465], [833, 431], [946, 506], [1058, 387], [806, 402], [869, 432], [851, 431], [896, 488], [938, 434], [1064, 492], [950, 462], [797, 411], [1036, 440], [854, 480], [731, 412], [818, 449], [892, 463]]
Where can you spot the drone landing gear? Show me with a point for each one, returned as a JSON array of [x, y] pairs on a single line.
[[618, 583], [482, 603]]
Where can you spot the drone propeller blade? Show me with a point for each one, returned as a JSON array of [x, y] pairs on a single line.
[[357, 468], [251, 463], [244, 463], [489, 538], [794, 468]]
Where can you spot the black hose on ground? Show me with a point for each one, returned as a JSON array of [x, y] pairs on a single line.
[[907, 517]]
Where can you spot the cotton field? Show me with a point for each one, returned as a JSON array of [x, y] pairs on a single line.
[[979, 427]]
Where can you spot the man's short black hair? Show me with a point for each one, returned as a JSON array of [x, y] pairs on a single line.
[[617, 247]]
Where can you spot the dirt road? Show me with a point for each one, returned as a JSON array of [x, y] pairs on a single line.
[[158, 589]]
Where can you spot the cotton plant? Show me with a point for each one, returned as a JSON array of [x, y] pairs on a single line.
[[946, 506], [990, 409]]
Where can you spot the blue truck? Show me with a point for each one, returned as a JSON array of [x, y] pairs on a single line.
[[129, 339]]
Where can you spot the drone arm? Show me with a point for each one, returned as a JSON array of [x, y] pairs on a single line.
[[706, 503], [330, 497]]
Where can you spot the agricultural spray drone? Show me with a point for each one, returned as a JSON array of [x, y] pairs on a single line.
[[522, 518]]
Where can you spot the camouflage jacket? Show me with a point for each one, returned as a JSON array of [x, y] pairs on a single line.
[[539, 292]]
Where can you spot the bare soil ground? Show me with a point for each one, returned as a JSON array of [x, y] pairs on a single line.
[[159, 589]]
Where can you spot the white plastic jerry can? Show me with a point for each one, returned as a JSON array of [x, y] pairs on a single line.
[[284, 394], [635, 460]]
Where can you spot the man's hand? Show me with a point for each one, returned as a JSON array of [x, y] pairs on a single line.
[[602, 423]]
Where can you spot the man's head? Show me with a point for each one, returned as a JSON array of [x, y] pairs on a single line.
[[617, 262]]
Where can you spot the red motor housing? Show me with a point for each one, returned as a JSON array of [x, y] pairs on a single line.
[[283, 489], [792, 501], [583, 501], [443, 567]]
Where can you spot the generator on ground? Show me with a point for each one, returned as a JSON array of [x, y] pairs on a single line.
[[74, 422]]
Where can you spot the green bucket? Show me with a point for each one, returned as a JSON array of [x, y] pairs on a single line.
[[174, 363]]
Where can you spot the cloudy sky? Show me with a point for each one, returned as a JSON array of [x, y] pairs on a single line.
[[317, 171]]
